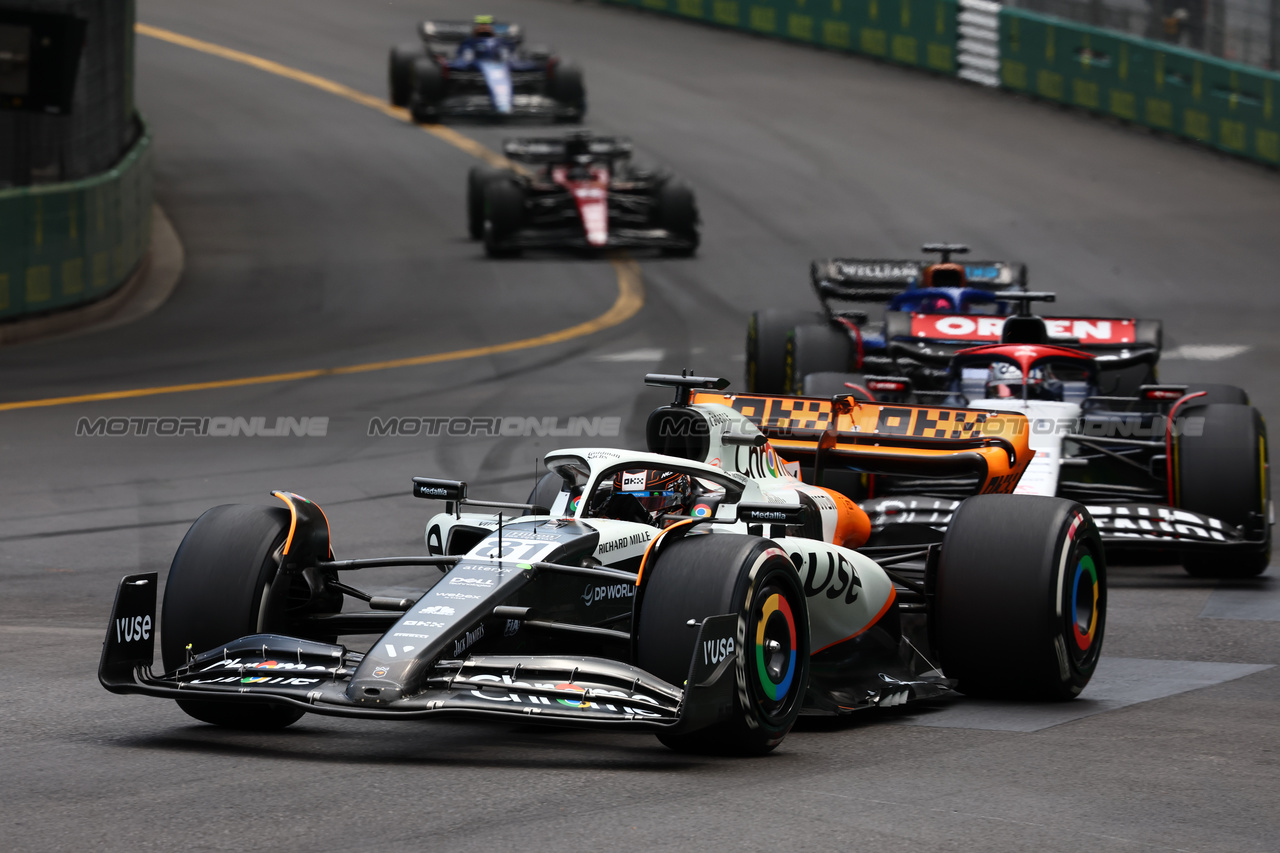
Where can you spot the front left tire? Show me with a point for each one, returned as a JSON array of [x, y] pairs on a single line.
[[706, 575]]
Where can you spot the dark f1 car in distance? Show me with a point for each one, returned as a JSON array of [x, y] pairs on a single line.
[[700, 591], [483, 69], [934, 310], [578, 191], [1174, 470]]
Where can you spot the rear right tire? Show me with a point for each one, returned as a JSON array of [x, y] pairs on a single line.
[[400, 72], [564, 84], [1222, 472], [677, 211]]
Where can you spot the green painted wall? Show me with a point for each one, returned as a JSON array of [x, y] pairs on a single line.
[[70, 243], [1218, 103], [1222, 104], [920, 33]]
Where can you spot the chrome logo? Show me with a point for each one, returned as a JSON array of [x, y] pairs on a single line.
[[775, 690], [1084, 568], [700, 511]]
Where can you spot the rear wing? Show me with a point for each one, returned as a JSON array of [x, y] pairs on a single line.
[[879, 279], [552, 149], [916, 441], [972, 329], [458, 31]]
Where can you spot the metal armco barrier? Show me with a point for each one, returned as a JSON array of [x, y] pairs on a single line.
[[70, 243], [1217, 103], [920, 33]]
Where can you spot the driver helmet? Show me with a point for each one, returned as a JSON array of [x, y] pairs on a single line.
[[657, 491], [1006, 380], [482, 27], [577, 147]]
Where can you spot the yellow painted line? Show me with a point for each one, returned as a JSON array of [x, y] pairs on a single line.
[[457, 140], [629, 301]]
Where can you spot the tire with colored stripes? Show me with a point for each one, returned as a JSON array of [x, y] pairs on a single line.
[[767, 335], [1221, 471], [711, 574], [1020, 597]]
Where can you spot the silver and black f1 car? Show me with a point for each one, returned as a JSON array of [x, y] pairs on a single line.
[[578, 191], [1173, 470], [483, 69], [934, 309], [699, 591]]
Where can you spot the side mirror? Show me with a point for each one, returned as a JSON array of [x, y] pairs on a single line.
[[439, 490]]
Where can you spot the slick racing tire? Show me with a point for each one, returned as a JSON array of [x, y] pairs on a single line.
[[503, 216], [478, 177], [426, 90], [712, 574], [677, 212], [1221, 472], [400, 72], [767, 334], [223, 585], [814, 348], [1020, 598], [836, 384], [565, 86], [1215, 392]]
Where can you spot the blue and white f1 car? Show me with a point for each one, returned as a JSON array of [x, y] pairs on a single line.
[[483, 69]]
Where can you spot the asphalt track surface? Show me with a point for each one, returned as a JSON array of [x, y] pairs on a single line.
[[322, 233]]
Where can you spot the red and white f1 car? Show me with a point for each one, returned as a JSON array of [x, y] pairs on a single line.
[[578, 191]]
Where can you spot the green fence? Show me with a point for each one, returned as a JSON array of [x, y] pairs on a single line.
[[66, 244], [921, 33], [1215, 102]]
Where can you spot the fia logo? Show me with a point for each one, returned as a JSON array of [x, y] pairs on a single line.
[[131, 629], [714, 651]]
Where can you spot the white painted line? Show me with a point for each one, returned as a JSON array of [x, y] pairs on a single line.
[[981, 48], [978, 77], [1206, 352], [977, 19], [1119, 682], [1256, 599], [982, 63], [632, 355]]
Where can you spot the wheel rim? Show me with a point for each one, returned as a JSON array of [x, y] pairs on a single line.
[[1085, 595], [776, 651], [1084, 600]]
